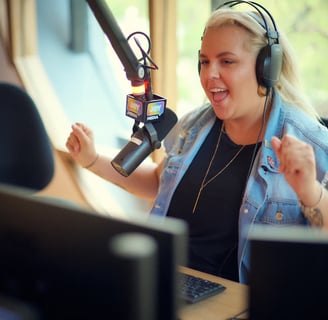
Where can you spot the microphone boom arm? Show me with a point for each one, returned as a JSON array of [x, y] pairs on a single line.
[[134, 70]]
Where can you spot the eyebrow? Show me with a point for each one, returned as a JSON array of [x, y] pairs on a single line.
[[221, 54]]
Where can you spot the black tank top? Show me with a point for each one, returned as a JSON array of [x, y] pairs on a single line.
[[213, 227]]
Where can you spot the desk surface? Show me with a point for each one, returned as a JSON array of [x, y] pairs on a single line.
[[227, 304]]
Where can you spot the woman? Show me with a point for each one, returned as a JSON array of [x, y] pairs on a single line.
[[253, 155]]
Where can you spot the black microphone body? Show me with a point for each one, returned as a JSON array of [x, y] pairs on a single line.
[[134, 152], [143, 142]]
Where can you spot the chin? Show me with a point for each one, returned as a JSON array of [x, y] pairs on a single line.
[[220, 108], [221, 115]]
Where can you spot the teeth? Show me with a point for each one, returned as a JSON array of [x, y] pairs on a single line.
[[217, 90]]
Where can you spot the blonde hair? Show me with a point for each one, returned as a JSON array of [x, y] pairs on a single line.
[[289, 84]]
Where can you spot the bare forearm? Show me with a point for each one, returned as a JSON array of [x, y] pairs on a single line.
[[143, 182]]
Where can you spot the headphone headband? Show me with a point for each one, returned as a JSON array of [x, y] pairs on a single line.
[[271, 34]]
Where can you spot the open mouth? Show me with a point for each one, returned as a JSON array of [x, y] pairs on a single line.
[[219, 94]]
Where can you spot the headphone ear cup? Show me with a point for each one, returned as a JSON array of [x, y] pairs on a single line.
[[268, 65], [275, 64], [262, 62]]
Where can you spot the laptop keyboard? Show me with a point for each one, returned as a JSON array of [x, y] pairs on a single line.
[[192, 289]]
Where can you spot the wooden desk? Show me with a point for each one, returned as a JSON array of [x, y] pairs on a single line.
[[229, 303]]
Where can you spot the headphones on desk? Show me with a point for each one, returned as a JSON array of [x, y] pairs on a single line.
[[269, 59]]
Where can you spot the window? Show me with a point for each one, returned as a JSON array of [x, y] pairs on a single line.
[[305, 25], [189, 32], [89, 80], [91, 85]]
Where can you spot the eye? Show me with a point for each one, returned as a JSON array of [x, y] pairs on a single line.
[[227, 61], [202, 62]]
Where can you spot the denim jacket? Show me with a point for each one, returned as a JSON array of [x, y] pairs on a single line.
[[268, 198]]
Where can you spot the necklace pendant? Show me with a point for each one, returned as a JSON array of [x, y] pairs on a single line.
[[204, 182]]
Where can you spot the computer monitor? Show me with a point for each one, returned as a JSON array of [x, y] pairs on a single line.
[[288, 274], [60, 261]]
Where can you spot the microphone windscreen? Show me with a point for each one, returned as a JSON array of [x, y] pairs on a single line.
[[165, 124]]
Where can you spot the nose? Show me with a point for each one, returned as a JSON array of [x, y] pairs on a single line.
[[214, 70]]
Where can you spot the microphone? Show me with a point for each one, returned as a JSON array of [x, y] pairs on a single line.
[[143, 142], [142, 105]]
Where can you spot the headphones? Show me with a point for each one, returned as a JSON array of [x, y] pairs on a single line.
[[269, 59]]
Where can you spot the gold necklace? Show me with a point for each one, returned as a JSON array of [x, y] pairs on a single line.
[[204, 182]]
